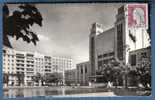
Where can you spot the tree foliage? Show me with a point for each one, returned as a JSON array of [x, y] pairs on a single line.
[[20, 78], [38, 77], [54, 77], [144, 76], [111, 73], [5, 78], [19, 23]]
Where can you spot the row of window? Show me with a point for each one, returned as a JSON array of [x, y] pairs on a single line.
[[20, 57], [29, 69], [10, 72], [8, 55], [82, 69], [8, 60], [133, 58], [106, 55], [12, 64], [47, 70], [9, 68], [120, 41], [39, 59], [106, 61]]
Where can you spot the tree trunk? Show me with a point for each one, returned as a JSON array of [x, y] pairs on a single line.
[[6, 41]]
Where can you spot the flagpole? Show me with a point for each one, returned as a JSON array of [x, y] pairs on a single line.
[[142, 38], [135, 36]]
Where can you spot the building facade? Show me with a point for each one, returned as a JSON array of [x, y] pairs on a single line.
[[116, 42], [140, 58], [19, 67], [10, 65], [39, 63], [48, 64], [83, 73], [70, 77], [101, 47], [60, 64], [130, 37], [29, 68]]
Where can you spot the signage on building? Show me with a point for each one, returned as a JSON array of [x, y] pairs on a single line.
[[137, 15]]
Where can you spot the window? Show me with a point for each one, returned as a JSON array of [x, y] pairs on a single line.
[[133, 60], [99, 63], [77, 67], [81, 70], [143, 55], [85, 68], [99, 56], [111, 54], [120, 41], [4, 51], [105, 55]]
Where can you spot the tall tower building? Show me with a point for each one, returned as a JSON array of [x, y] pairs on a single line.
[[130, 30], [120, 25], [95, 30]]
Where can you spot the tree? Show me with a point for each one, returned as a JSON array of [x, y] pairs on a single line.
[[144, 76], [5, 78], [38, 77], [133, 79], [54, 77], [20, 22], [20, 77], [112, 72]]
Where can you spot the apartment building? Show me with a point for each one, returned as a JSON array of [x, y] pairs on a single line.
[[10, 65], [19, 67], [48, 64], [39, 63], [60, 64]]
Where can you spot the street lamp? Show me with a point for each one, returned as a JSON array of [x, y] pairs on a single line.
[[127, 50]]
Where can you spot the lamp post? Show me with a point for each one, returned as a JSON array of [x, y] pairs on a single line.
[[126, 76], [127, 50], [63, 78]]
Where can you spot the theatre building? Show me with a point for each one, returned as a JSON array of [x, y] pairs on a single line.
[[126, 37], [101, 47]]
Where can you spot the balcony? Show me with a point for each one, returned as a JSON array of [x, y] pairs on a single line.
[[29, 69], [19, 65]]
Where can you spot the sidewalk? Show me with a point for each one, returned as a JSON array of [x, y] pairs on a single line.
[[102, 94]]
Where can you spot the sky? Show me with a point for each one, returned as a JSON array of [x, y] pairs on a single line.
[[66, 28]]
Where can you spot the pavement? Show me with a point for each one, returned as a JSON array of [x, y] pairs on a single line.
[[102, 94]]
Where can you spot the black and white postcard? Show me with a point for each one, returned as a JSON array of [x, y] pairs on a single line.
[[95, 49]]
